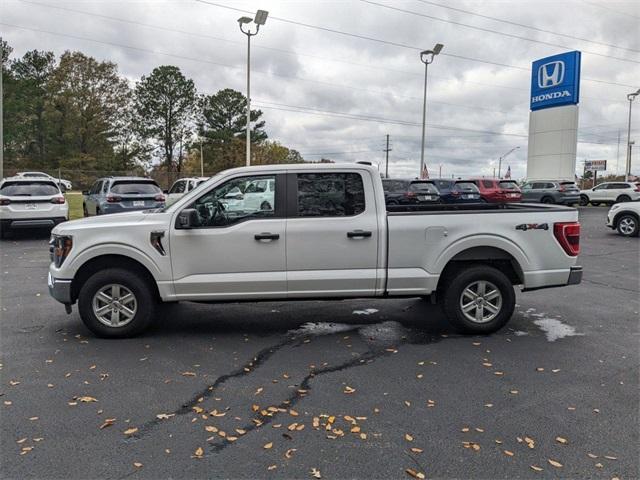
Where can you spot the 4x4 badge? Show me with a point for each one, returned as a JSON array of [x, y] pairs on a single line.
[[532, 226]]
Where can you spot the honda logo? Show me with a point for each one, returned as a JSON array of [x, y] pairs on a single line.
[[551, 74]]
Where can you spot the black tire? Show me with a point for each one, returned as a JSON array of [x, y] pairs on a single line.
[[547, 200], [584, 200], [5, 232], [623, 198], [137, 285], [628, 225], [85, 212], [595, 204], [97, 211], [453, 292], [265, 206]]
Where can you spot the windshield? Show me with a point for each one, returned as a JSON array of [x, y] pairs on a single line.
[[508, 185], [467, 186], [134, 187], [29, 189], [424, 187]]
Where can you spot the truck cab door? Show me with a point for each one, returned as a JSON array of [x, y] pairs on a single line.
[[233, 251], [332, 234]]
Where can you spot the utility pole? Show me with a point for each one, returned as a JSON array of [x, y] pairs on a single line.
[[386, 151], [618, 155], [201, 160], [440, 171]]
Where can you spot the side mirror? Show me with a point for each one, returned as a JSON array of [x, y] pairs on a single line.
[[85, 192], [188, 218], [166, 192]]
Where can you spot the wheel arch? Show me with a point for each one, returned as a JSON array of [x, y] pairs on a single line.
[[619, 215], [105, 261], [492, 256]]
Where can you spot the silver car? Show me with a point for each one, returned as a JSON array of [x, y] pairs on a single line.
[[122, 194]]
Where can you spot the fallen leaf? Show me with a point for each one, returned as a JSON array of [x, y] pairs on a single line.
[[107, 423], [130, 431], [165, 416], [137, 464], [349, 390], [508, 452], [272, 467], [188, 374], [293, 413], [33, 419], [610, 458], [289, 452], [555, 463], [415, 474], [536, 468], [408, 437], [315, 473], [591, 455], [561, 440], [416, 450], [267, 446], [199, 452], [259, 391]]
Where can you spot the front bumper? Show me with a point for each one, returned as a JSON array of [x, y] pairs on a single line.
[[60, 289]]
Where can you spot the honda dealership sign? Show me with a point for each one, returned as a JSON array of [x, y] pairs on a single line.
[[553, 120], [555, 81]]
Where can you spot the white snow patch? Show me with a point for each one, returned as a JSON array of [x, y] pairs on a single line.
[[520, 333], [366, 311], [385, 333], [555, 329]]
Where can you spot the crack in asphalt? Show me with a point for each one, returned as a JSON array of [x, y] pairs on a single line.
[[187, 407], [363, 359]]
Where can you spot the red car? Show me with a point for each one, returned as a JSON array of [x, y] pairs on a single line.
[[494, 190]]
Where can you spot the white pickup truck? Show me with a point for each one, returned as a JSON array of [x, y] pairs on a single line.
[[327, 234]]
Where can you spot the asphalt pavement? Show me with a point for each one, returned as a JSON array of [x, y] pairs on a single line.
[[350, 389]]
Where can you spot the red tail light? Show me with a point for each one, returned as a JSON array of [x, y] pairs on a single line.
[[159, 198], [637, 189], [113, 198], [58, 200], [455, 193], [561, 189], [5, 201], [568, 236]]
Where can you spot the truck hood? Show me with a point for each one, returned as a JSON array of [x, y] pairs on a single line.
[[116, 220]]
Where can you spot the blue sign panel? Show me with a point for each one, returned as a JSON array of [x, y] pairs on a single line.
[[555, 81]]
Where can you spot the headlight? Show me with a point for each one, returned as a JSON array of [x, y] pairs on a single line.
[[59, 248]]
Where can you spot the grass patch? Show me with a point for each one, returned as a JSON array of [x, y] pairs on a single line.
[[74, 199]]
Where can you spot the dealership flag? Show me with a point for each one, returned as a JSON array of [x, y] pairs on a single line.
[[424, 173], [508, 174]]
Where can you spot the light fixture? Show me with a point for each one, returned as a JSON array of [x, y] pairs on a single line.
[[261, 17]]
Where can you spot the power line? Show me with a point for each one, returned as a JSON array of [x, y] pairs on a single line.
[[611, 9], [290, 52], [489, 30], [395, 44], [510, 22]]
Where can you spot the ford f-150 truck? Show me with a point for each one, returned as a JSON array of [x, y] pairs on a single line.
[[323, 233]]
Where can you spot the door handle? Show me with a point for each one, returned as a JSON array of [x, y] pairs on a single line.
[[266, 236], [359, 234]]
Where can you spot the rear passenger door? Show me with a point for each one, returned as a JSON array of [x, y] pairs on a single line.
[[91, 200], [332, 234]]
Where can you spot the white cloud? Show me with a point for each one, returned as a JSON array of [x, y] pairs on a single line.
[[339, 73]]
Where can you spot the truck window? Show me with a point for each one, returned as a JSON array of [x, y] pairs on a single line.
[[330, 194], [178, 187], [487, 183], [236, 200]]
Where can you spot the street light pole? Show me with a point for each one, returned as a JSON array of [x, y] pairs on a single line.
[[502, 158], [201, 160], [260, 19], [426, 57], [631, 97]]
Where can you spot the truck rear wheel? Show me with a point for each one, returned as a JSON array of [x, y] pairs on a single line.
[[479, 300], [116, 303]]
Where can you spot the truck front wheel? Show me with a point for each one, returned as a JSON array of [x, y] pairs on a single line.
[[479, 300], [116, 303]]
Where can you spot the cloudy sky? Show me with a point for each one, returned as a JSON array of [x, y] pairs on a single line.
[[334, 77]]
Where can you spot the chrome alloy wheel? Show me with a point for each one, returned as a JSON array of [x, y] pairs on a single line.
[[481, 301], [627, 225], [114, 305]]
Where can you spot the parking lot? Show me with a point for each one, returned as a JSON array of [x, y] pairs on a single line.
[[349, 389]]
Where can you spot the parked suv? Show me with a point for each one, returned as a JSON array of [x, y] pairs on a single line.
[[409, 192], [625, 218], [564, 192], [122, 194], [494, 190], [31, 203], [61, 181], [610, 192], [182, 186], [457, 191]]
